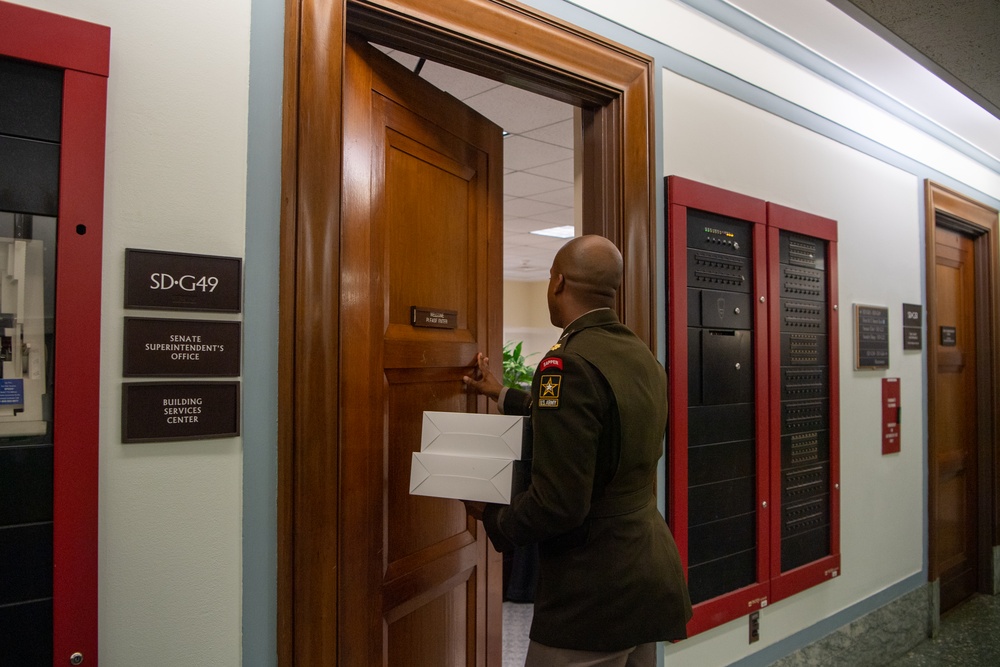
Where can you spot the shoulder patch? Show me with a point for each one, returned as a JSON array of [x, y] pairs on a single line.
[[550, 363], [548, 391]]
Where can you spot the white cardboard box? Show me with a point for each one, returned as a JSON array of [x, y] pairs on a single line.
[[471, 434], [462, 477], [469, 457]]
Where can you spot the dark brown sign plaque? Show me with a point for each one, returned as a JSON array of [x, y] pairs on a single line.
[[181, 348], [167, 411], [871, 335], [180, 281]]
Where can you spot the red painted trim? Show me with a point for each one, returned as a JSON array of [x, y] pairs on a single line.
[[693, 194], [774, 397], [82, 49], [801, 222], [677, 388], [807, 576], [713, 613], [833, 338], [77, 390], [762, 396], [42, 37]]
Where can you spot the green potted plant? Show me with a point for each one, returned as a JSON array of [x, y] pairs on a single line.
[[516, 371]]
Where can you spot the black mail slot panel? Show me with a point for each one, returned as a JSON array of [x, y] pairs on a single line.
[[799, 283], [26, 561], [721, 500], [807, 515], [727, 367], [799, 383], [720, 367], [27, 635], [34, 166], [803, 349], [720, 423], [805, 548], [32, 100], [719, 309], [798, 250], [803, 483], [808, 447], [721, 461], [800, 416], [803, 315], [720, 576], [25, 484], [714, 270], [719, 539]]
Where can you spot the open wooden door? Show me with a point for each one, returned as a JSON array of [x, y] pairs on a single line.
[[418, 584]]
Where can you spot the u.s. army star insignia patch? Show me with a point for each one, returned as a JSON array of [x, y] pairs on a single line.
[[548, 391]]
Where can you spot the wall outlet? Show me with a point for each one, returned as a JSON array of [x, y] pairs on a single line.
[[754, 626]]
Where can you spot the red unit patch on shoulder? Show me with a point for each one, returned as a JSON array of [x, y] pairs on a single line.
[[548, 363]]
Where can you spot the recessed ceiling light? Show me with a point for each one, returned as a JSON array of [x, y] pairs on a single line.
[[564, 232]]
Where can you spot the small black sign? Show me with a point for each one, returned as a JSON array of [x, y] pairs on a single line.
[[871, 335], [913, 319], [179, 281], [167, 411], [436, 318], [181, 348], [949, 336]]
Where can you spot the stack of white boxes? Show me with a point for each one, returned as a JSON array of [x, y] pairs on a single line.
[[471, 457]]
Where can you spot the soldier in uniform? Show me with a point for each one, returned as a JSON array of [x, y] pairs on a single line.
[[610, 582]]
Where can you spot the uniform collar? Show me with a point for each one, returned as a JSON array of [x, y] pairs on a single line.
[[593, 318]]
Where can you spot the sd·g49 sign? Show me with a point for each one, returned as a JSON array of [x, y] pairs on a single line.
[[180, 281]]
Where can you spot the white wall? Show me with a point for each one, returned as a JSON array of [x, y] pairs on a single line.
[[526, 318], [719, 140], [175, 179]]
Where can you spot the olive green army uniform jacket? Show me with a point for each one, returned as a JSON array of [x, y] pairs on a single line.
[[610, 575]]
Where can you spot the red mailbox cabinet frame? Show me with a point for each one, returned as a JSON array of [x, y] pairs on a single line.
[[82, 51], [766, 220]]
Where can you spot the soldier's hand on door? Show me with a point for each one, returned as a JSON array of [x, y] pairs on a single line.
[[482, 379]]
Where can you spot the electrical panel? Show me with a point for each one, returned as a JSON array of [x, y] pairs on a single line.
[[752, 473]]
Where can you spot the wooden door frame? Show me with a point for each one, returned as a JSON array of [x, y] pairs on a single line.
[[499, 39], [980, 222]]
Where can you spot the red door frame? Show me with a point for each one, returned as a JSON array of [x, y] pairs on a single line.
[[81, 49]]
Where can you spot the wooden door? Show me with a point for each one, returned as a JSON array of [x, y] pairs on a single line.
[[955, 429], [418, 585]]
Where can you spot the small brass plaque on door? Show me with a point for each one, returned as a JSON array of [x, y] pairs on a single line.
[[436, 318]]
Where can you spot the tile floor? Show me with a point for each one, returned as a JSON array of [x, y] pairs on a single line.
[[969, 637]]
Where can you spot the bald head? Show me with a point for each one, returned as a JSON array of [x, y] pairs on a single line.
[[586, 274]]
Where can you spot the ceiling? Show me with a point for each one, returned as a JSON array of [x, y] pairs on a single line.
[[909, 49], [958, 40]]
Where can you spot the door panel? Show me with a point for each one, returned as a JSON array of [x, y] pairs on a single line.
[[955, 431], [422, 200]]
